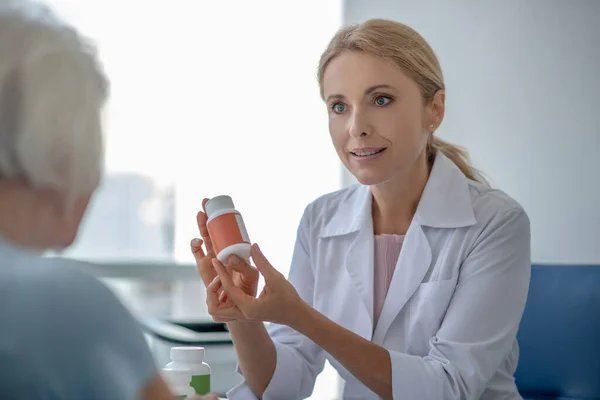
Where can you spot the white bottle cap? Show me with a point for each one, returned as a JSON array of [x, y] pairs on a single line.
[[192, 355], [177, 377], [218, 203]]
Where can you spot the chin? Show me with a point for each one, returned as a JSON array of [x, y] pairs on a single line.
[[369, 178]]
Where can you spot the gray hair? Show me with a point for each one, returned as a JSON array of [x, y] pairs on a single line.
[[52, 91]]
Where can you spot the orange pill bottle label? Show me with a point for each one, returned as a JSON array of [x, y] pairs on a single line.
[[226, 230]]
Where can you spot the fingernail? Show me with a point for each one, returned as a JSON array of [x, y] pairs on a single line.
[[233, 260], [257, 248], [195, 241]]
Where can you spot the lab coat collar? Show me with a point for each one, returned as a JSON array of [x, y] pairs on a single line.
[[446, 200], [445, 203]]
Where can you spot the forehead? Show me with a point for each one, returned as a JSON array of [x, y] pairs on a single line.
[[352, 72]]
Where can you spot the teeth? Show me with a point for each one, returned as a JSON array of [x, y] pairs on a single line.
[[367, 153]]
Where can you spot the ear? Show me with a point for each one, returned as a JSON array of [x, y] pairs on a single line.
[[435, 110]]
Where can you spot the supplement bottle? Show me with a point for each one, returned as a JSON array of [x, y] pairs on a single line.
[[192, 358], [179, 380], [226, 229]]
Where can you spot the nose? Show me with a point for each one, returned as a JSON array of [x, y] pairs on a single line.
[[358, 125]]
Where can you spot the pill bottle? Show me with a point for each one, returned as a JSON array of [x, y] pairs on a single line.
[[192, 358], [226, 229], [179, 380]]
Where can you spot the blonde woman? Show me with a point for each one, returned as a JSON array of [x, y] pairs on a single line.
[[411, 283]]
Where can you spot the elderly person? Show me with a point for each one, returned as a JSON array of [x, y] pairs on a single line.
[[64, 335]]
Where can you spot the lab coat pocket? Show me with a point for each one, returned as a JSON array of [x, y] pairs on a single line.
[[427, 308]]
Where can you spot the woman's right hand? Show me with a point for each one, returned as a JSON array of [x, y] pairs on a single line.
[[243, 275]]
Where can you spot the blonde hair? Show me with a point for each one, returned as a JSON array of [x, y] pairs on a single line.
[[402, 45], [52, 91]]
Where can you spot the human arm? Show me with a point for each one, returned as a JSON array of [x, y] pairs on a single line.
[[256, 353], [367, 361]]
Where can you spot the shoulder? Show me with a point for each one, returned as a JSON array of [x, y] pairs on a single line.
[[62, 308], [65, 289], [488, 201], [63, 285], [496, 211], [486, 198], [56, 293], [53, 291], [49, 281], [70, 312]]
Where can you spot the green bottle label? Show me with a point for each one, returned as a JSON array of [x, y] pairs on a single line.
[[201, 384]]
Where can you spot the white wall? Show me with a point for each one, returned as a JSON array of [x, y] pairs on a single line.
[[523, 96]]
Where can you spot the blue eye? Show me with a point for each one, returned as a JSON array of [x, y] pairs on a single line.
[[382, 100], [339, 108]]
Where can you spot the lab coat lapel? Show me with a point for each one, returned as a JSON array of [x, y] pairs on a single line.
[[352, 222], [411, 267], [359, 263]]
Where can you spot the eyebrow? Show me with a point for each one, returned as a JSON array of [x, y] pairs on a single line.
[[369, 90]]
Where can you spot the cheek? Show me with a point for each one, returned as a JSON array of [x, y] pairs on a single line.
[[411, 141], [403, 129]]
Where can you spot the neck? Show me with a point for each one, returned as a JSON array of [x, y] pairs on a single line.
[[395, 201], [34, 218]]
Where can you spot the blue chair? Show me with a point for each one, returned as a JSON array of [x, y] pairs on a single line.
[[559, 335]]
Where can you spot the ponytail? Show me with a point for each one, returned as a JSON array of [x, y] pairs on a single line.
[[458, 155]]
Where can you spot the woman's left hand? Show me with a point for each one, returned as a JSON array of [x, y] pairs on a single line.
[[278, 302]]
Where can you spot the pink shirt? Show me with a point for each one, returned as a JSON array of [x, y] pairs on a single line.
[[387, 250]]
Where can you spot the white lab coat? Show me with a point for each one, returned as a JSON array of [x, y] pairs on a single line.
[[455, 301]]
